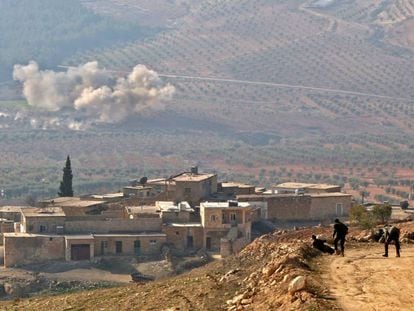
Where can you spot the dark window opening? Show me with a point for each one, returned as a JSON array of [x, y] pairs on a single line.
[[118, 247]]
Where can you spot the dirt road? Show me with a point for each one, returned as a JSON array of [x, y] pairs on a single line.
[[364, 280]]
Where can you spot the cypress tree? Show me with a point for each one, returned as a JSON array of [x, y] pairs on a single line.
[[65, 189]]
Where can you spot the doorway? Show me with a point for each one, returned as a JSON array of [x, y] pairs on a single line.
[[80, 252], [137, 247], [208, 243]]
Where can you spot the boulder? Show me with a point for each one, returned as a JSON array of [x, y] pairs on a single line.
[[297, 284]]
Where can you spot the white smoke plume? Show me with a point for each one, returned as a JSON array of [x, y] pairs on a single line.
[[93, 90]]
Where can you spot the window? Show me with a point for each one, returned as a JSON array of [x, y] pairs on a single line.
[[339, 209], [213, 218], [118, 247], [233, 216], [152, 242], [187, 191], [42, 228], [177, 233], [105, 244]]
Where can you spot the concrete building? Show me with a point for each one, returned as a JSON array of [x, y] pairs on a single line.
[[226, 224], [192, 187], [293, 207], [25, 248]]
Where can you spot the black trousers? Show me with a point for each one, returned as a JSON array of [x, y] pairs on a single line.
[[396, 239], [341, 240]]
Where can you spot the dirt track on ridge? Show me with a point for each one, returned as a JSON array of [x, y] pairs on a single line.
[[364, 280]]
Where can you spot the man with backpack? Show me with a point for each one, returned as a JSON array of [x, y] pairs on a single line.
[[390, 234], [340, 231]]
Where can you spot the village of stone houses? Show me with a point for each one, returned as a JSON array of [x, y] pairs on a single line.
[[183, 214], [159, 227]]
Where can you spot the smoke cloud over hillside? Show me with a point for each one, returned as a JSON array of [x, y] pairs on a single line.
[[94, 91]]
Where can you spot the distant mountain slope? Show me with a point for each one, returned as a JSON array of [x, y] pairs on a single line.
[[48, 31], [340, 46]]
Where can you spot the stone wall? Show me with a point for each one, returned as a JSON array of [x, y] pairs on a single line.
[[25, 249], [113, 225], [149, 245], [175, 217], [283, 207], [228, 247], [34, 224], [178, 236], [325, 207]]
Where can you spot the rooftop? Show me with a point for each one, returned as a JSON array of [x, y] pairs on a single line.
[[295, 185], [140, 187], [235, 184], [13, 209], [261, 196], [193, 177], [170, 206], [107, 196], [144, 209], [329, 194], [226, 205], [43, 212], [73, 202], [188, 224]]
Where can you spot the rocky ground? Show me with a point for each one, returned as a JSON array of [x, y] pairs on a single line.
[[278, 271]]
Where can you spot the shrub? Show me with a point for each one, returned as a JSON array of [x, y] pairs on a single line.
[[358, 215]]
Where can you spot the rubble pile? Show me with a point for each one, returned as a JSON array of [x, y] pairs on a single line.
[[281, 277]]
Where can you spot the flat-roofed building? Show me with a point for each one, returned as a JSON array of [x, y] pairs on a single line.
[[277, 207], [226, 222], [194, 187], [295, 187], [26, 248]]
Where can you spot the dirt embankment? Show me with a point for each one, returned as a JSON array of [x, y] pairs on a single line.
[[269, 274], [278, 271]]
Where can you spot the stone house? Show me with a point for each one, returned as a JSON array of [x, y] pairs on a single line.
[[293, 207], [192, 187], [279, 206], [226, 223], [25, 248]]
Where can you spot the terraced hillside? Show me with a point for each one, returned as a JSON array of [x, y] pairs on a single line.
[[315, 90], [287, 42]]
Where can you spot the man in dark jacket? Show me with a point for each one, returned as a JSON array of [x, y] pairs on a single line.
[[320, 245], [340, 231], [391, 233]]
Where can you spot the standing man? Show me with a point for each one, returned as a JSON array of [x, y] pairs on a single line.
[[340, 231], [391, 233]]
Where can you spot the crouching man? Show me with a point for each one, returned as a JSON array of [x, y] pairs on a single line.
[[320, 245]]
